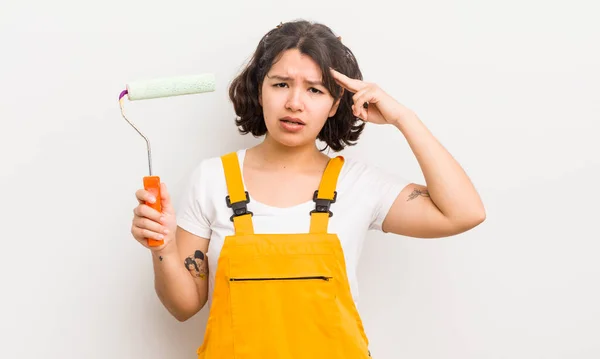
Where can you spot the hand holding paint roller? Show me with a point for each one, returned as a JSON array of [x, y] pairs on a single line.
[[158, 88]]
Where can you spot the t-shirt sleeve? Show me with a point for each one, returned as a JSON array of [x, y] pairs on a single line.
[[383, 188], [194, 207]]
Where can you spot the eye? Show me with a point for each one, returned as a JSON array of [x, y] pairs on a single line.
[[315, 90], [281, 84]]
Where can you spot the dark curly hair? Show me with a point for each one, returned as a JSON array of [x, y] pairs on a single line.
[[326, 49]]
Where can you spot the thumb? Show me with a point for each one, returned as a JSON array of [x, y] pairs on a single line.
[[165, 199]]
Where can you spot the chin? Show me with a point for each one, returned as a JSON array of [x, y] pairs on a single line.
[[291, 141]]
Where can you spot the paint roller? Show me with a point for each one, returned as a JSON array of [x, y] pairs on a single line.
[[158, 88]]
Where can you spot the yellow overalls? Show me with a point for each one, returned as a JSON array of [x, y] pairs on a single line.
[[282, 296]]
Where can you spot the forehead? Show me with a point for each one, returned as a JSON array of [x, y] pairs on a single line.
[[294, 64]]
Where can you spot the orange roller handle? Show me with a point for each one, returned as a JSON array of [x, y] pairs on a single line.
[[152, 185]]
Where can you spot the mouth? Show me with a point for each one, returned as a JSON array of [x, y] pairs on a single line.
[[292, 120]]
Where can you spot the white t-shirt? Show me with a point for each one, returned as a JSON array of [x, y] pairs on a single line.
[[365, 195]]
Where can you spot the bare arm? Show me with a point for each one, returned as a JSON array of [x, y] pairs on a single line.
[[180, 265], [181, 275], [449, 204]]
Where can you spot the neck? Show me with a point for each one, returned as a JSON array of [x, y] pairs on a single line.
[[273, 154]]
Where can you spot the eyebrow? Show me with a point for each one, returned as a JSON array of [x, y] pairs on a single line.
[[284, 78]]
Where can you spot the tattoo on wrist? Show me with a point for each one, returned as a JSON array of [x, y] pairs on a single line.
[[195, 264], [416, 193]]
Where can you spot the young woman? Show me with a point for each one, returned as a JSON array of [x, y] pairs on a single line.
[[270, 236]]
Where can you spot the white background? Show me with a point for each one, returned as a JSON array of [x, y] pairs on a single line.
[[510, 88]]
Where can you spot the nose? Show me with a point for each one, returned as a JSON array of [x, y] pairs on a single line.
[[295, 101]]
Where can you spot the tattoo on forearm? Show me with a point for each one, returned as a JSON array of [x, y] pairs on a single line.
[[195, 264], [416, 193]]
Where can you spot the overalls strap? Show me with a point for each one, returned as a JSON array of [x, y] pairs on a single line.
[[238, 198], [325, 196]]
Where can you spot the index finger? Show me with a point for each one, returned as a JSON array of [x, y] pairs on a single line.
[[348, 83], [143, 196]]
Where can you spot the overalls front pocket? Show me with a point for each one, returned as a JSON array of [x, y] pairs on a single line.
[[285, 306]]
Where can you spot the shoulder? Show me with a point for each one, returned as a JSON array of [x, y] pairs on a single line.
[[210, 166], [210, 169], [360, 172], [206, 179], [375, 187], [204, 171], [354, 166]]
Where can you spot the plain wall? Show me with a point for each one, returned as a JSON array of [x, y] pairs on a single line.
[[510, 89]]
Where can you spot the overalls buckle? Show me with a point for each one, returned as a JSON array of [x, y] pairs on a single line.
[[323, 204], [239, 208]]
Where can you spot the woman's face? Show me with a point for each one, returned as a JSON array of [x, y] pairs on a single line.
[[295, 103]]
